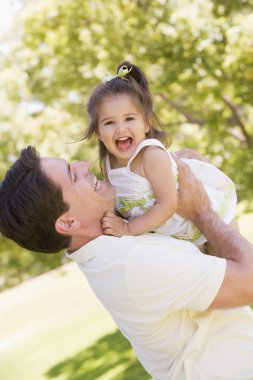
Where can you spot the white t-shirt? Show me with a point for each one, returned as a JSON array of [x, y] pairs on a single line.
[[157, 290]]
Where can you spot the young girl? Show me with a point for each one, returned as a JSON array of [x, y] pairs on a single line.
[[134, 159]]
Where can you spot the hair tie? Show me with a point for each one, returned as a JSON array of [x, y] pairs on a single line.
[[123, 71]]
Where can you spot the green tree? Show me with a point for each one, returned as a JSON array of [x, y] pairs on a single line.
[[196, 54]]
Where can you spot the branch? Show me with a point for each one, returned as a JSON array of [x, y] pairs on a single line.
[[237, 135], [190, 119], [238, 118]]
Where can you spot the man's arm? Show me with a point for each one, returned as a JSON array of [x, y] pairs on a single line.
[[237, 287]]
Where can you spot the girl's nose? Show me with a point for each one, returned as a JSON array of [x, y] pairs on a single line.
[[120, 125]]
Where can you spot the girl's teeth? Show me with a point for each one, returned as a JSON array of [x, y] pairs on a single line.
[[124, 143]]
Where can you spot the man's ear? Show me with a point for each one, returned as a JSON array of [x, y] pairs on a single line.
[[66, 225]]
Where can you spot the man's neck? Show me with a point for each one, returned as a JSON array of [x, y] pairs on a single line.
[[80, 240]]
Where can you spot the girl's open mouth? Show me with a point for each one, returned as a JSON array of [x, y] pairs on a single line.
[[124, 143]]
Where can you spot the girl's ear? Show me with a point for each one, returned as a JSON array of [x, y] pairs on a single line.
[[66, 225], [147, 128], [98, 135], [148, 123]]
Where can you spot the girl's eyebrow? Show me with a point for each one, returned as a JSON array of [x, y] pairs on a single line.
[[106, 118], [111, 117]]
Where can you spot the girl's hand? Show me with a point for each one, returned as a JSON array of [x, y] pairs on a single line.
[[114, 225]]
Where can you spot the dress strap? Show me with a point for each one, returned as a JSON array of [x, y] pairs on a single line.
[[143, 144]]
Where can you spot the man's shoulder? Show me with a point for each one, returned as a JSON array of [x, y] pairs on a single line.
[[103, 246], [111, 247]]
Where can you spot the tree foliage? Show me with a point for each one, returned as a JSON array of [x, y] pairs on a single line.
[[198, 56]]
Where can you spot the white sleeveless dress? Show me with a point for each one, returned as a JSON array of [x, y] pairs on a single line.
[[134, 194]]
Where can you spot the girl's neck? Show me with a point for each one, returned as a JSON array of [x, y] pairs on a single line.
[[117, 163]]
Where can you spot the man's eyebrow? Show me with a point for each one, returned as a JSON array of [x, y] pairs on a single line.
[[69, 172]]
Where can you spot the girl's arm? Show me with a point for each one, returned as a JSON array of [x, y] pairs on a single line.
[[157, 169]]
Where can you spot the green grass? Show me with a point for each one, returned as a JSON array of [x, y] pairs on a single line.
[[53, 327]]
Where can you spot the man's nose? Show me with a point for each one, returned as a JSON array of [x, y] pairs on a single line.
[[82, 166], [85, 167]]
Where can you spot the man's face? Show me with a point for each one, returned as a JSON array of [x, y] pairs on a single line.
[[87, 197]]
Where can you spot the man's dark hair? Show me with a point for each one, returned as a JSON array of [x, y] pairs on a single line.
[[30, 203]]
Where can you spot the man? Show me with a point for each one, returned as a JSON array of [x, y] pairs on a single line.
[[182, 311]]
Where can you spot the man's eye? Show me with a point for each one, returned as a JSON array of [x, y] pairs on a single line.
[[74, 177]]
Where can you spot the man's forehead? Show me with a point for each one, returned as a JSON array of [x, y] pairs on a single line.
[[54, 168], [50, 162]]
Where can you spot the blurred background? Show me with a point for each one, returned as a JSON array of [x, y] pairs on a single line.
[[198, 57]]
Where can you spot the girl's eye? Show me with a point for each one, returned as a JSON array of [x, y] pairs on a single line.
[[108, 122], [129, 118]]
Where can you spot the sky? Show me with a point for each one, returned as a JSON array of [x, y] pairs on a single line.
[[8, 9]]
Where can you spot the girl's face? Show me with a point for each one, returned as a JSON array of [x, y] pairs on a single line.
[[121, 126]]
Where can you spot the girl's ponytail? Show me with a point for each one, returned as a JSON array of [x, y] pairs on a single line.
[[136, 73]]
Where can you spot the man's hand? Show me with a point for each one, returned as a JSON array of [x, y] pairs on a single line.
[[237, 286], [114, 225], [192, 197]]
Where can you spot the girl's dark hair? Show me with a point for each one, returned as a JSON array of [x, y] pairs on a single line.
[[133, 84]]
